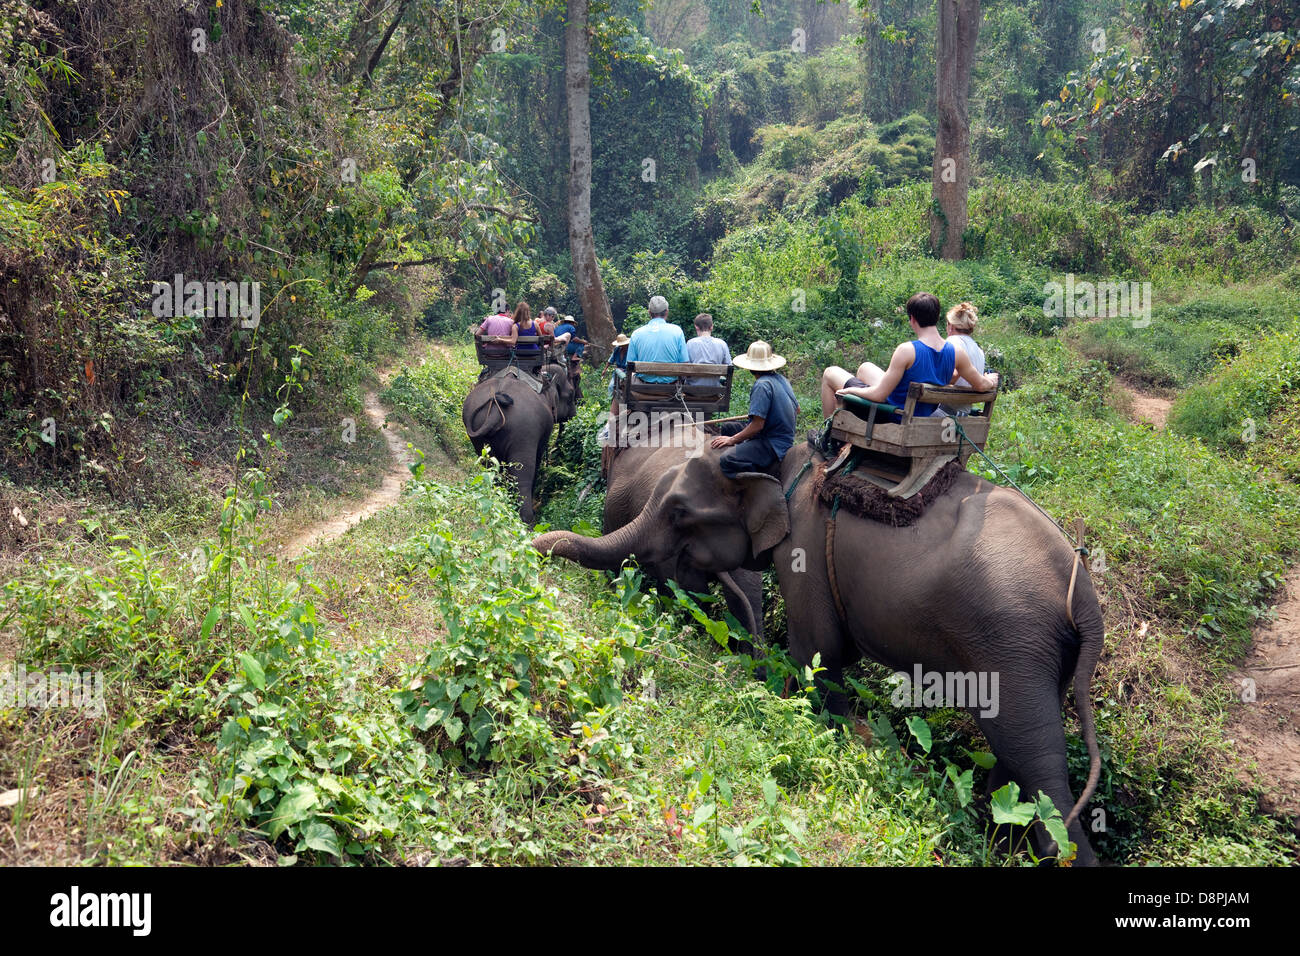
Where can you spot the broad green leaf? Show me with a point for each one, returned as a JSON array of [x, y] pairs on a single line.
[[982, 758], [769, 792], [320, 836], [1055, 825], [1007, 808], [294, 807], [961, 784], [882, 732], [921, 731], [253, 671], [454, 728], [703, 813], [210, 621]]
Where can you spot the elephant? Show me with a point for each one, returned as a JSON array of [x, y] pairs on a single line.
[[633, 478], [505, 412], [977, 584]]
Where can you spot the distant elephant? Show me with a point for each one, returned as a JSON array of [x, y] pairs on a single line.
[[634, 476], [976, 585], [505, 412]]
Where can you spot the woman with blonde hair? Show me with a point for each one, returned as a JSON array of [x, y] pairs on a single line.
[[961, 321]]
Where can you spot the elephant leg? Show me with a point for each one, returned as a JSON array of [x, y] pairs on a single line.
[[1028, 739], [525, 472], [814, 628]]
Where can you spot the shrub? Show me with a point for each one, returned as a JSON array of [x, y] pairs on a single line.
[[1230, 411]]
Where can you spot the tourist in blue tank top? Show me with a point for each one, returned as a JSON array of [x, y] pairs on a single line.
[[926, 359]]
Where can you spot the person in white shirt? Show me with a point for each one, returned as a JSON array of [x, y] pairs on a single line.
[[961, 321]]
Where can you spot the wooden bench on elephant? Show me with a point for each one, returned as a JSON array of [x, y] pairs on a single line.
[[901, 451], [675, 396], [495, 356]]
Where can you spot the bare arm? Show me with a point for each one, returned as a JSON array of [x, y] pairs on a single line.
[[966, 370], [900, 363]]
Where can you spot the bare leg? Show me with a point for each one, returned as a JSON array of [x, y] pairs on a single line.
[[833, 380], [871, 373]]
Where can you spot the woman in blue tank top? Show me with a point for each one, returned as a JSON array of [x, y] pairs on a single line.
[[928, 359]]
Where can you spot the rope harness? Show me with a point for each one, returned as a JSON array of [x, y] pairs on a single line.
[[830, 548]]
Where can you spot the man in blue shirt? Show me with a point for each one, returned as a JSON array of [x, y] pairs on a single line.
[[772, 410], [566, 334], [657, 341]]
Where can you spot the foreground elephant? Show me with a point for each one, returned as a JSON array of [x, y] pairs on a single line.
[[505, 412], [634, 475], [977, 585]]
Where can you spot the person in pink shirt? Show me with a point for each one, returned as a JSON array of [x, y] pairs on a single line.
[[500, 326]]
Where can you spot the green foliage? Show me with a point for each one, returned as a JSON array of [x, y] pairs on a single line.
[[572, 491], [513, 682], [432, 394], [1185, 342], [1208, 84], [1230, 411], [1199, 537]]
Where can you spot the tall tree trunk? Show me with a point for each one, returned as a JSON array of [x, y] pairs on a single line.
[[582, 244], [959, 24]]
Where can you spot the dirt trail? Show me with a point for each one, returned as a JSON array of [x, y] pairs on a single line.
[[1267, 729], [383, 496], [1148, 408]]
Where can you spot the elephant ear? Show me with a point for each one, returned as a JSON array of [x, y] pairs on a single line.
[[767, 519]]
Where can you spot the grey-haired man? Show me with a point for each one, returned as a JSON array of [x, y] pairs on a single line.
[[658, 341]]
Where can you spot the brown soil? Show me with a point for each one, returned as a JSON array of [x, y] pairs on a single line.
[[1147, 407], [1267, 729], [383, 496]]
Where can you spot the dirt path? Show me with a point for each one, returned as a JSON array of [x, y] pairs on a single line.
[[383, 496], [1148, 408], [1267, 729]]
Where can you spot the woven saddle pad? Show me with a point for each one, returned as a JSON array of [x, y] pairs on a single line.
[[862, 497]]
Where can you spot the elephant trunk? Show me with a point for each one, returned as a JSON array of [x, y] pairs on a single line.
[[730, 584], [606, 553]]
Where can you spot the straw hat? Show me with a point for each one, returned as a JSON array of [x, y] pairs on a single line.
[[621, 341], [759, 358]]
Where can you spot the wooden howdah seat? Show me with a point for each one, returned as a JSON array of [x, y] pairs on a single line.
[[495, 356], [675, 396], [901, 452], [633, 395]]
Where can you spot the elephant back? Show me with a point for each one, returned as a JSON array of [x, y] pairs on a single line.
[[484, 411]]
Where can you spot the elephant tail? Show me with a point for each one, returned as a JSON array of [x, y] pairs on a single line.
[[1092, 637]]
